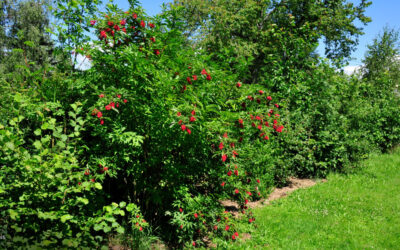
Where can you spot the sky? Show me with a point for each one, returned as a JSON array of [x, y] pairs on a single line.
[[383, 13]]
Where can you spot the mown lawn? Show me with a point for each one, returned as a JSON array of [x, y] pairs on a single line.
[[354, 211]]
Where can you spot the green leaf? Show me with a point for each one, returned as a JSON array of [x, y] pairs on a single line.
[[66, 217], [37, 144], [38, 132], [98, 185]]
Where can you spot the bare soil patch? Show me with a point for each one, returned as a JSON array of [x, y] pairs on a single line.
[[277, 193]]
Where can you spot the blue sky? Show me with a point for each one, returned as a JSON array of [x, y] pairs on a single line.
[[382, 12]]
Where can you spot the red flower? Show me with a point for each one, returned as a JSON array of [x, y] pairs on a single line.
[[267, 124], [99, 114], [140, 229], [225, 135], [236, 173], [112, 33], [226, 228], [188, 80], [194, 77], [250, 220], [101, 122], [184, 88], [112, 104], [119, 96], [123, 22], [181, 226], [246, 201], [178, 114], [125, 101], [250, 98], [266, 137], [124, 30], [101, 96], [259, 127], [105, 168], [183, 127], [276, 105], [92, 22], [143, 24], [189, 131], [223, 184], [258, 100], [253, 124], [229, 173], [180, 122], [151, 25], [92, 180], [238, 84], [156, 52], [275, 121], [180, 210], [224, 158], [262, 134], [110, 23], [277, 115], [232, 145], [279, 130], [221, 146], [233, 237], [134, 16], [208, 77], [194, 243], [234, 153], [192, 119], [236, 191], [240, 121], [204, 72], [215, 227], [193, 112], [103, 34], [237, 234], [261, 92], [153, 39], [258, 118], [196, 215], [87, 172], [269, 98]]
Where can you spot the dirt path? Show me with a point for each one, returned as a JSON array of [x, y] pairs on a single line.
[[294, 184]]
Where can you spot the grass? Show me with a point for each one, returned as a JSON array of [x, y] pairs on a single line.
[[354, 211]]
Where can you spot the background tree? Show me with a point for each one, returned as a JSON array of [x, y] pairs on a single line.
[[382, 57], [24, 35], [262, 32]]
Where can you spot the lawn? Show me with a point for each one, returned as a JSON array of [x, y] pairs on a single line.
[[354, 211]]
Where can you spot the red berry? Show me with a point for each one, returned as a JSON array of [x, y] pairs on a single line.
[[236, 191], [180, 210], [221, 146], [101, 122], [229, 173], [101, 95], [189, 131], [183, 127], [125, 101], [99, 114], [224, 158], [196, 215]]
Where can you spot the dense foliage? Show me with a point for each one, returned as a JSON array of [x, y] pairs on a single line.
[[150, 139]]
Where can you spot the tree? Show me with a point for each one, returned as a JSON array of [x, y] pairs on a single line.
[[261, 33], [24, 36], [382, 56]]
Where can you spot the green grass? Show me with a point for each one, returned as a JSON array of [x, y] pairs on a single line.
[[354, 211]]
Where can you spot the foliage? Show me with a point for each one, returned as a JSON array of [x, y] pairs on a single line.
[[254, 37], [153, 136], [24, 37]]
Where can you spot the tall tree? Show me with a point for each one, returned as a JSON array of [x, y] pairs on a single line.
[[24, 35], [383, 56], [260, 33]]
